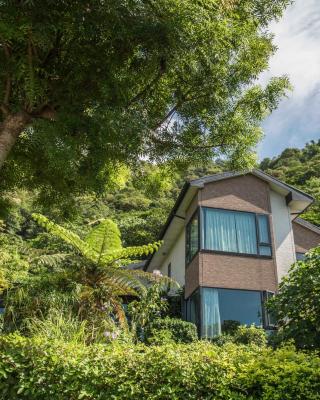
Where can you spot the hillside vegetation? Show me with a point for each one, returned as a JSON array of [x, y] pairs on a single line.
[[300, 168]]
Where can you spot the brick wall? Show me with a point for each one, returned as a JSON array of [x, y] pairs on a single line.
[[244, 193], [192, 276], [237, 272], [304, 238]]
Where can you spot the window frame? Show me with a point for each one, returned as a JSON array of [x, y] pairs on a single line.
[[267, 324], [259, 242], [169, 273], [232, 253], [196, 296], [264, 294], [198, 215]]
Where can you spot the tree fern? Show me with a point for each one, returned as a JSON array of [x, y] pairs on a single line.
[[102, 272]]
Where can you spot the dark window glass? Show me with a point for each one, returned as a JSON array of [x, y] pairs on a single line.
[[240, 305], [270, 320], [169, 270], [192, 239], [221, 307], [264, 235], [263, 225], [193, 308], [2, 307], [300, 256], [264, 250]]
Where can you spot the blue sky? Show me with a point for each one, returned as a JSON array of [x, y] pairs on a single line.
[[297, 120]]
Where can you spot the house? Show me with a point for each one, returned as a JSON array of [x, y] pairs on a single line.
[[229, 240]]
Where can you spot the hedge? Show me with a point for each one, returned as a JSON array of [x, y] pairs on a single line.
[[181, 331], [37, 369]]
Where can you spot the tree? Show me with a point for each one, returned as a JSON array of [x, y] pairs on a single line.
[[300, 168], [88, 85], [297, 305]]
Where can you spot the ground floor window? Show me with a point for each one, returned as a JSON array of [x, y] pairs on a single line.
[[193, 308], [300, 256], [214, 309]]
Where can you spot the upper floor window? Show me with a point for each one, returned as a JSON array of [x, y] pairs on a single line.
[[192, 237], [236, 232]]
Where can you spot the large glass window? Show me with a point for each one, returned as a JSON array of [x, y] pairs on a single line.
[[193, 308], [300, 256], [236, 232], [220, 307], [192, 237]]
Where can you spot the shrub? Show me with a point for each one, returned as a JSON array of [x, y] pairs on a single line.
[[230, 326], [250, 335], [297, 305], [181, 331], [243, 335], [160, 337], [36, 369]]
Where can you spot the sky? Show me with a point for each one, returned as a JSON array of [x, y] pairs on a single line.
[[297, 119]]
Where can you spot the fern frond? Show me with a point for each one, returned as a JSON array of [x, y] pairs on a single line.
[[124, 279], [66, 235], [105, 237], [50, 260], [130, 252], [150, 277]]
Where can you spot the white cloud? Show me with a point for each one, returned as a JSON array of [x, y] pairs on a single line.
[[297, 37]]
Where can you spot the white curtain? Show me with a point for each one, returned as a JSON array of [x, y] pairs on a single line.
[[220, 230], [211, 324], [246, 233], [230, 231]]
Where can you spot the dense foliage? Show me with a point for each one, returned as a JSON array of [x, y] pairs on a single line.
[[87, 86], [297, 306], [36, 369], [242, 334], [179, 331], [87, 283], [300, 168]]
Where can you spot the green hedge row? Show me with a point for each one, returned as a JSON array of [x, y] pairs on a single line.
[[36, 369], [180, 331]]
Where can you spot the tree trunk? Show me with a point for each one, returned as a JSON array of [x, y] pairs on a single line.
[[10, 129]]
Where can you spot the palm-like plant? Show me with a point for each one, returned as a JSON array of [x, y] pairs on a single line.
[[101, 267]]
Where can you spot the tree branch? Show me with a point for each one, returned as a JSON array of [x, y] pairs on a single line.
[[168, 115], [54, 50], [30, 64], [161, 72], [139, 95], [45, 112], [4, 107], [7, 91]]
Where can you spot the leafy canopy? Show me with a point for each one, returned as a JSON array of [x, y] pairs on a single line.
[[297, 305], [300, 168], [105, 83]]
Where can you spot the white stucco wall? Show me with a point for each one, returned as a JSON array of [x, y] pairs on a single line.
[[176, 257], [283, 234]]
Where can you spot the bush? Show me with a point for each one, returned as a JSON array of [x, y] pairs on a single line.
[[243, 335], [250, 335], [36, 369], [296, 307], [181, 331]]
